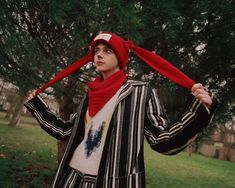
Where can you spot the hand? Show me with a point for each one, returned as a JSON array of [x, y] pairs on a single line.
[[201, 94], [31, 95]]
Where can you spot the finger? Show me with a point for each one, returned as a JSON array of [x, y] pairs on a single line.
[[34, 93], [202, 96], [31, 95], [196, 86], [200, 92], [205, 99]]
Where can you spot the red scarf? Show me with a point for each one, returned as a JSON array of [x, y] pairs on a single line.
[[100, 91], [121, 49]]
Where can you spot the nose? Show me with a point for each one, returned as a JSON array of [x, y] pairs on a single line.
[[99, 54]]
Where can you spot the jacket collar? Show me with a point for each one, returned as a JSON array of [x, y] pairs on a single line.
[[128, 87]]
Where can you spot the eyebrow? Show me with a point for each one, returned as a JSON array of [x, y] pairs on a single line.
[[105, 47], [108, 47]]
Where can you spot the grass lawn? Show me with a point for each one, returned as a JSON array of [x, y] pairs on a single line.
[[183, 171], [28, 159]]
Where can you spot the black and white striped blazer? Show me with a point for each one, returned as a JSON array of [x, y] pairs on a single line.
[[138, 113]]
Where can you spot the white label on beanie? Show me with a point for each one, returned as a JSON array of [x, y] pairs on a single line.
[[104, 36]]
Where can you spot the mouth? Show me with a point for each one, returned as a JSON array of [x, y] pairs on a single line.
[[99, 63]]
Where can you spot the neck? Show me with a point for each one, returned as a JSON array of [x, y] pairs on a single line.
[[105, 75]]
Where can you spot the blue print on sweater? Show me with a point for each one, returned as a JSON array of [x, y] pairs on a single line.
[[93, 139]]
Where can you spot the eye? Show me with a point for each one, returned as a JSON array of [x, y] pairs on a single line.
[[108, 50], [96, 50]]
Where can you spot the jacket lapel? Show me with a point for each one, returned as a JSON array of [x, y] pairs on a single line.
[[126, 90]]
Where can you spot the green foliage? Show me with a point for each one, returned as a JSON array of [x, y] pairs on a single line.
[[40, 38], [197, 37]]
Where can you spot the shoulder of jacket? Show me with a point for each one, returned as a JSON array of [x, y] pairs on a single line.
[[137, 83]]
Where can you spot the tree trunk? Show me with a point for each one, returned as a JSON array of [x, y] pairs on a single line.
[[65, 109], [15, 119], [9, 111], [189, 150]]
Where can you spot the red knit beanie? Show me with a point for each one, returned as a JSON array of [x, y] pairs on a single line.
[[121, 49], [117, 43]]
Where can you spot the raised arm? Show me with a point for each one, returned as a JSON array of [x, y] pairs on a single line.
[[52, 124], [173, 138]]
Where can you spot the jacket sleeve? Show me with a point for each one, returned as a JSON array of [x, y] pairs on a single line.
[[52, 124], [172, 138]]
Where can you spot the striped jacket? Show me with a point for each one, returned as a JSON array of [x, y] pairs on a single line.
[[138, 113]]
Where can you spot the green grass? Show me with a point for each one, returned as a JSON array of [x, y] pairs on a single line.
[[28, 159], [181, 171]]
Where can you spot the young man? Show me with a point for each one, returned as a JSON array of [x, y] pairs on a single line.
[[105, 137]]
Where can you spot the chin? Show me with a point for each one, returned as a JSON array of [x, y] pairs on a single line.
[[99, 69]]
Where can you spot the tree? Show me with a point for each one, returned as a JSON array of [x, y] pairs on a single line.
[[39, 38], [198, 37]]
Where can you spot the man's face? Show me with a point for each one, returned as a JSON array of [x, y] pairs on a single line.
[[105, 60]]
